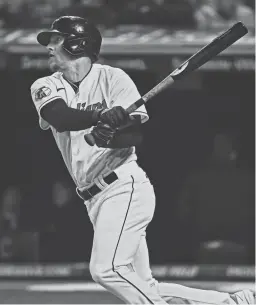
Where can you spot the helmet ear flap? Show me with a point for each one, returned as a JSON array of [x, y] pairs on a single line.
[[75, 45]]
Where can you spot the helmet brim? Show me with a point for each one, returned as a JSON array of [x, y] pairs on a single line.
[[44, 37]]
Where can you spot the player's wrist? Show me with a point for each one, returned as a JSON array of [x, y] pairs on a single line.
[[96, 116]]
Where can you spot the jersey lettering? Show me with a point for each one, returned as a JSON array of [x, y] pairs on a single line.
[[81, 106], [102, 105]]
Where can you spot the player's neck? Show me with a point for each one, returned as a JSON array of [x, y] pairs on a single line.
[[77, 70]]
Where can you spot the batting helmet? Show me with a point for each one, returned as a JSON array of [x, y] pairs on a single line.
[[81, 36]]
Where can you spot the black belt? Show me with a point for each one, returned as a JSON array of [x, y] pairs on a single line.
[[94, 190]]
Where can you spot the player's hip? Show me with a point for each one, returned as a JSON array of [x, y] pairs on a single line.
[[131, 168], [123, 175], [127, 192], [86, 173]]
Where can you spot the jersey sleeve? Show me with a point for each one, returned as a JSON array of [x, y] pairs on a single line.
[[124, 93], [43, 91]]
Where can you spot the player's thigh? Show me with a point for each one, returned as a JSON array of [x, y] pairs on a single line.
[[123, 217], [141, 260]]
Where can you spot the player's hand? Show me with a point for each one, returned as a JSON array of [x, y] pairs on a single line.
[[96, 110], [115, 117], [103, 134]]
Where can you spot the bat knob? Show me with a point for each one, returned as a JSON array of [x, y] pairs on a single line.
[[89, 139]]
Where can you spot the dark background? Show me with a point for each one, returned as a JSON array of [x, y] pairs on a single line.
[[199, 144], [178, 138]]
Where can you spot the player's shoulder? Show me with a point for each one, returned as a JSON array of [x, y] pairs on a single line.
[[49, 80], [110, 70], [244, 10]]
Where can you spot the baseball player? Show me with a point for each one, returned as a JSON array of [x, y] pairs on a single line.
[[82, 97]]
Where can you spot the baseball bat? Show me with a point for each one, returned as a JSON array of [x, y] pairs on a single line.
[[216, 46]]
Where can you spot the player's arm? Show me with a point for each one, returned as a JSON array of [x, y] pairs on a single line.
[[123, 94], [64, 118], [53, 110]]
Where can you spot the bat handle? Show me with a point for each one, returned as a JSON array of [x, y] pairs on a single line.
[[89, 139]]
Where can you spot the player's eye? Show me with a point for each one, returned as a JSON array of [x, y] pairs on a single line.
[[56, 39]]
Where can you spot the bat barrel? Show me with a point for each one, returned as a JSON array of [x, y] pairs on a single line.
[[237, 31], [212, 49], [233, 34]]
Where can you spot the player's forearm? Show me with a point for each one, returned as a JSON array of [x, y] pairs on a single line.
[[75, 120], [64, 118]]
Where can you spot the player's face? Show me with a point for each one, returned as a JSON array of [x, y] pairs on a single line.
[[57, 56]]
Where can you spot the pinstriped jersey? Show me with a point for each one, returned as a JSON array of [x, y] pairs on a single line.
[[106, 85]]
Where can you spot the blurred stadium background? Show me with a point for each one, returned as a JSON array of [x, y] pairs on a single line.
[[199, 149]]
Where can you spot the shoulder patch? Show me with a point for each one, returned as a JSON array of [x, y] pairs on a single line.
[[42, 92]]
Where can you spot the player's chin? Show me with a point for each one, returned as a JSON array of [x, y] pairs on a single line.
[[53, 66]]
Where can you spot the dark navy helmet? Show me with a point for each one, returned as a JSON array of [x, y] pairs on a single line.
[[81, 36]]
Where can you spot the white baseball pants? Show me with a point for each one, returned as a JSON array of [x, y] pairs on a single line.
[[119, 262]]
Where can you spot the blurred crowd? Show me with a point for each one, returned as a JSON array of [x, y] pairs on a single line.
[[174, 14], [214, 216], [216, 205], [34, 228]]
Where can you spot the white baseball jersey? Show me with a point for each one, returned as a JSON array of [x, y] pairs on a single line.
[[106, 85]]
